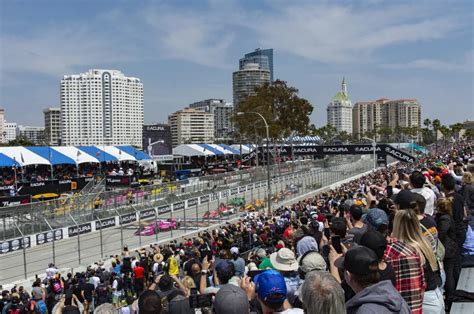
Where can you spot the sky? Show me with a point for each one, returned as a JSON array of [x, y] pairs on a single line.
[[186, 51]]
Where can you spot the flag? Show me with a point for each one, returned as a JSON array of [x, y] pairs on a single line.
[[21, 156], [78, 153]]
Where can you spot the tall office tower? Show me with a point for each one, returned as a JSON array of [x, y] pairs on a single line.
[[34, 134], [339, 111], [2, 125], [385, 113], [223, 128], [262, 57], [246, 80], [191, 126], [52, 126], [10, 132], [101, 107]]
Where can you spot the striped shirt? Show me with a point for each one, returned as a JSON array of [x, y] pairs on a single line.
[[410, 281]]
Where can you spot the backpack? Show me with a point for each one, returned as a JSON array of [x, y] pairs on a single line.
[[119, 284], [41, 306], [165, 301], [16, 310]]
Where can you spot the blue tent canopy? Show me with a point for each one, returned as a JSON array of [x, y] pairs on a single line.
[[53, 156], [211, 149], [6, 161], [98, 153], [139, 155]]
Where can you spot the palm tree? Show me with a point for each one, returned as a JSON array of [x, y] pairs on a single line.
[[446, 133], [455, 129], [385, 132], [436, 126], [427, 123]]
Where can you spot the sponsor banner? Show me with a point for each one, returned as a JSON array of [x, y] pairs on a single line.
[[242, 189], [214, 196], [14, 200], [178, 206], [224, 194], [353, 149], [381, 159], [120, 180], [14, 244], [105, 223], [47, 237], [257, 185], [204, 199], [164, 209], [249, 187], [128, 218], [234, 191], [81, 229], [147, 213], [192, 202]]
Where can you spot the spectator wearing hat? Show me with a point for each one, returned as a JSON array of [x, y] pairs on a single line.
[[361, 272], [321, 293], [418, 180], [285, 262], [239, 262], [271, 291], [376, 242], [376, 219], [231, 299], [405, 199]]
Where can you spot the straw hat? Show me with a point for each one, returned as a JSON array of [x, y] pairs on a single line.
[[158, 258]]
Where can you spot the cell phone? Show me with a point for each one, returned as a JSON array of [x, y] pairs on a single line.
[[327, 233], [253, 273], [198, 301], [336, 243]]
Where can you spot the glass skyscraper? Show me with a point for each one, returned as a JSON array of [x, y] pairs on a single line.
[[264, 58]]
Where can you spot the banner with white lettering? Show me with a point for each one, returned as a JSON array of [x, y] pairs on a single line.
[[105, 223], [14, 245], [128, 218], [192, 202], [178, 205], [81, 229], [164, 209], [147, 213], [204, 199], [47, 237]]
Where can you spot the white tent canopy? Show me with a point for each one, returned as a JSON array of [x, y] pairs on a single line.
[[246, 148], [76, 154], [23, 156], [189, 150], [117, 153]]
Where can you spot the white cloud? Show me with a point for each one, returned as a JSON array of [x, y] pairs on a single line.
[[462, 64]]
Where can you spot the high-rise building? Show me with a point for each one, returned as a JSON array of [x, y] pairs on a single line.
[[2, 125], [385, 113], [34, 134], [263, 57], [339, 111], [191, 126], [223, 127], [247, 79], [52, 126], [10, 132], [101, 107], [157, 139]]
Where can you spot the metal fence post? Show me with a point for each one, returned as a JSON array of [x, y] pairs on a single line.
[[24, 249], [156, 219], [121, 227], [101, 238], [54, 240], [139, 226], [78, 238]]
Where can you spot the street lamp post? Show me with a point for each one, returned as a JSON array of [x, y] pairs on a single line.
[[374, 146], [269, 189]]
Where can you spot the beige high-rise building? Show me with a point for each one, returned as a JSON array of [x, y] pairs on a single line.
[[191, 126], [382, 113], [52, 126], [2, 125], [246, 80]]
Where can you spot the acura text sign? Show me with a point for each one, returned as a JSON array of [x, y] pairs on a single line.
[[81, 229], [105, 223]]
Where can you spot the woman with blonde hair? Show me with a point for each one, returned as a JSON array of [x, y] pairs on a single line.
[[447, 236], [415, 265]]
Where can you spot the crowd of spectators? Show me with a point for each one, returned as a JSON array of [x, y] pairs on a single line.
[[393, 241]]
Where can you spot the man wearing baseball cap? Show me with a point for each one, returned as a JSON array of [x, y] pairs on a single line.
[[361, 272], [271, 292]]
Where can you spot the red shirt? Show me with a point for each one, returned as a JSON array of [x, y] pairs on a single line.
[[139, 272]]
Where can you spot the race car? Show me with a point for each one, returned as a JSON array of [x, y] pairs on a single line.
[[223, 210], [157, 226], [237, 201]]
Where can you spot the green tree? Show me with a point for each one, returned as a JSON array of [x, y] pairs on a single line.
[[385, 133], [281, 106], [455, 129], [427, 123], [21, 141]]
